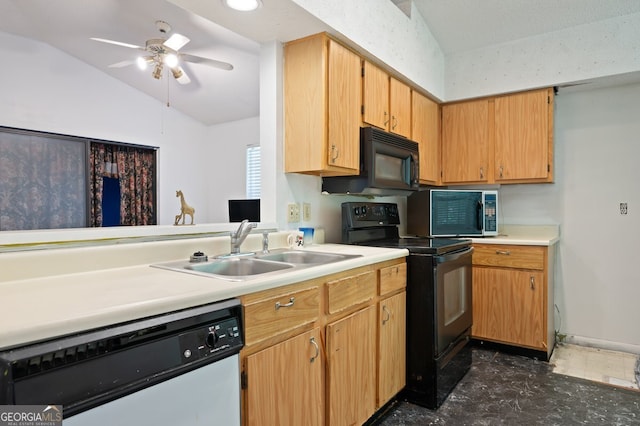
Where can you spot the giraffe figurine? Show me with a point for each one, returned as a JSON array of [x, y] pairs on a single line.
[[185, 209]]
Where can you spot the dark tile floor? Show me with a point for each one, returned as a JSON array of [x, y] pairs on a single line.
[[502, 389]]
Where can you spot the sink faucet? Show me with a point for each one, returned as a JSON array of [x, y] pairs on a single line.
[[239, 235]]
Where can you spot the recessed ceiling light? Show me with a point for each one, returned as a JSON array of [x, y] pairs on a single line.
[[243, 5]]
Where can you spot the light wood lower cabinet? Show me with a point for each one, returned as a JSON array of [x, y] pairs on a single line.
[[285, 386], [328, 351], [351, 368], [392, 344], [513, 295]]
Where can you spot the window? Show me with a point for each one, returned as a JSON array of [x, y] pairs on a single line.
[[52, 181], [253, 171]]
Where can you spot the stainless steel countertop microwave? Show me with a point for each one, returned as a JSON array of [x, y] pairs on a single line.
[[453, 213]]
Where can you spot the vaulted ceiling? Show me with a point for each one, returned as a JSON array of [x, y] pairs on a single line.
[[215, 95]]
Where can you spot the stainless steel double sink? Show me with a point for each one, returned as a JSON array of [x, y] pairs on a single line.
[[248, 266]]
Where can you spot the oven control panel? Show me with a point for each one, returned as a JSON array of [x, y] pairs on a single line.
[[366, 214]]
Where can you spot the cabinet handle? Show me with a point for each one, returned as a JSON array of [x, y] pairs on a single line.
[[286, 305], [386, 311], [501, 170], [315, 344], [335, 153], [481, 172], [386, 120], [394, 122], [505, 252], [532, 282]]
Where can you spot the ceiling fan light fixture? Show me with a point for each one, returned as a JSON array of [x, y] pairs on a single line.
[[141, 63], [243, 5], [157, 71], [170, 60]]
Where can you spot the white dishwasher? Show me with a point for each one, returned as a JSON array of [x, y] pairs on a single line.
[[180, 368]]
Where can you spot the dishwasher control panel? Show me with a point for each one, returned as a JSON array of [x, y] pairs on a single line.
[[212, 340]]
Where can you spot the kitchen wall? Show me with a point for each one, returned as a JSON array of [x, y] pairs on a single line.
[[225, 152], [45, 89]]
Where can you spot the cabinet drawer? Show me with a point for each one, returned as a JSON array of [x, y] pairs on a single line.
[[267, 318], [508, 256], [393, 278], [350, 291]]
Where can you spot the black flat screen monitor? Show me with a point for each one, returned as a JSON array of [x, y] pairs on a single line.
[[240, 210]]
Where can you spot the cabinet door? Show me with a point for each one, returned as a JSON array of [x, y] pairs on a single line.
[[400, 108], [351, 368], [509, 306], [522, 140], [425, 129], [345, 94], [375, 97], [465, 142], [392, 347], [322, 101], [284, 383]]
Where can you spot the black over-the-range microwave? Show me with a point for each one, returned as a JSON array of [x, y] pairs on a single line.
[[389, 165]]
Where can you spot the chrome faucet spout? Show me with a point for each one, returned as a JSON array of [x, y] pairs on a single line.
[[240, 234]]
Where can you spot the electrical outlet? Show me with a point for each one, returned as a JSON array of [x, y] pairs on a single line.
[[623, 208], [293, 212], [306, 212]]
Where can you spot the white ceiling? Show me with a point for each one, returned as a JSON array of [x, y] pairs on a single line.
[[217, 96]]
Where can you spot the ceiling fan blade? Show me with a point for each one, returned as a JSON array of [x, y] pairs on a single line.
[[176, 41], [206, 61], [117, 43], [123, 63], [180, 75]]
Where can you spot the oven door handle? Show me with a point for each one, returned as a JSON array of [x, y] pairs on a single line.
[[453, 256]]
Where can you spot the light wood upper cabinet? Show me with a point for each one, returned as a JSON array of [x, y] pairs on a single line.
[[386, 101], [524, 136], [425, 129], [513, 295], [322, 101], [400, 107], [285, 383], [502, 139], [465, 142], [375, 96]]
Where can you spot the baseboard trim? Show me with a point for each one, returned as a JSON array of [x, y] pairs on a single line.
[[602, 344], [511, 349]]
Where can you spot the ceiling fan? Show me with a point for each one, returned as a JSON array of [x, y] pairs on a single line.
[[162, 52]]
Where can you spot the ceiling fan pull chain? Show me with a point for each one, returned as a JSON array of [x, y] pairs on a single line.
[[167, 80]]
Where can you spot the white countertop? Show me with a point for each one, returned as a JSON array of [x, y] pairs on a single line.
[[83, 290], [527, 235]]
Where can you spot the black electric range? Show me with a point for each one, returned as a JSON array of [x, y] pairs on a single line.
[[438, 299]]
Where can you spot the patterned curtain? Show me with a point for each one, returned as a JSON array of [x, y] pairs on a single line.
[[97, 157], [136, 174], [136, 170], [42, 182]]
